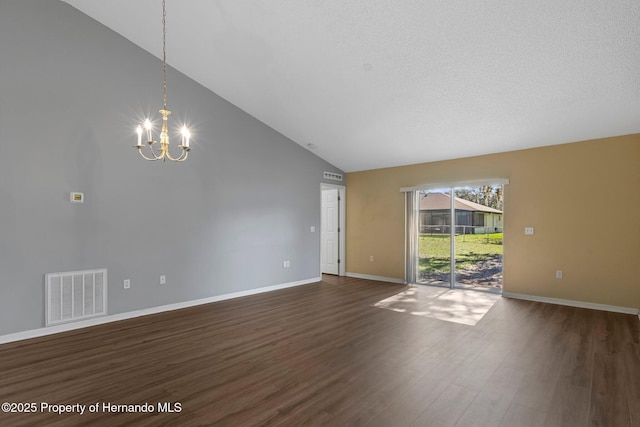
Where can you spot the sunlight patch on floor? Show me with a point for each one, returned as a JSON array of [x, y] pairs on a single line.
[[453, 305]]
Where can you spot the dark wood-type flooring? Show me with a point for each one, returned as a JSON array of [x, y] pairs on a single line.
[[320, 354]]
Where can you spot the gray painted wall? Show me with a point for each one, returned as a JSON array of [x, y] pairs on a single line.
[[71, 91]]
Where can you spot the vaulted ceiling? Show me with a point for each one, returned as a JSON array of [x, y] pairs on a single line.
[[377, 83]]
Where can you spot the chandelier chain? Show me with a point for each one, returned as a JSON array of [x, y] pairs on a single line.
[[164, 54]]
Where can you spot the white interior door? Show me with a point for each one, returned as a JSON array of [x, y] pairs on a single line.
[[329, 246]]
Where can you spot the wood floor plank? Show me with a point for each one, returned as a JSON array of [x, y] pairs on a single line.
[[631, 360], [609, 402], [522, 416], [447, 409], [323, 354], [571, 396], [493, 401]]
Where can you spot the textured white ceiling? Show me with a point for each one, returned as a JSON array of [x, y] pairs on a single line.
[[377, 83]]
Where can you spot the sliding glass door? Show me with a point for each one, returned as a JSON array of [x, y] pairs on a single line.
[[460, 237], [434, 255]]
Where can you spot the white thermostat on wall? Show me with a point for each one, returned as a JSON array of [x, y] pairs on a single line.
[[76, 197]]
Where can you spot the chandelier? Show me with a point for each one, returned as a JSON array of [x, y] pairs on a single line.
[[146, 128]]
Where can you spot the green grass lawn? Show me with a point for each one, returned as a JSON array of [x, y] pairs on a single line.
[[471, 249]]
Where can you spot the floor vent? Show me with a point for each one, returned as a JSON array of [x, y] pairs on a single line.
[[75, 295]]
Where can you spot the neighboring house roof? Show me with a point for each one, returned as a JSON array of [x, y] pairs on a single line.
[[439, 201]]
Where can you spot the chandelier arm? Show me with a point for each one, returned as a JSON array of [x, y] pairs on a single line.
[[153, 152], [182, 157], [147, 158]]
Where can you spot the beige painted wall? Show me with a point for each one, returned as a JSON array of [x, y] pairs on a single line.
[[582, 198]]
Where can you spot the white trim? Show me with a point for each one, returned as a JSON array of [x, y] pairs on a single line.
[[33, 333], [572, 303], [378, 278], [442, 185]]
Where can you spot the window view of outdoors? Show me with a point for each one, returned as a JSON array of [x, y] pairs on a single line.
[[478, 237]]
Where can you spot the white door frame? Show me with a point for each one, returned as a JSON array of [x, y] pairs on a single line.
[[342, 257]]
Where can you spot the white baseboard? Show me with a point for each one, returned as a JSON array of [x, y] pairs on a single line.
[[34, 333], [378, 278], [571, 303]]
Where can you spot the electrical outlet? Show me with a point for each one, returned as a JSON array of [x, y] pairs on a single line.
[[286, 263], [313, 229], [126, 283], [528, 231], [559, 274], [163, 279], [371, 258]]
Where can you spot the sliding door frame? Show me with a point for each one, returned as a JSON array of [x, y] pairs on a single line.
[[452, 238], [451, 186]]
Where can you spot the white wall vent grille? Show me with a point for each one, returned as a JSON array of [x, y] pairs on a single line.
[[75, 295], [333, 176]]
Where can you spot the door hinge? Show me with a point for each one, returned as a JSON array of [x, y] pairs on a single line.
[[338, 261], [339, 229]]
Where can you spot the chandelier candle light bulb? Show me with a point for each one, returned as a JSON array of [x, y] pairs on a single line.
[[185, 136], [164, 153], [147, 126]]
